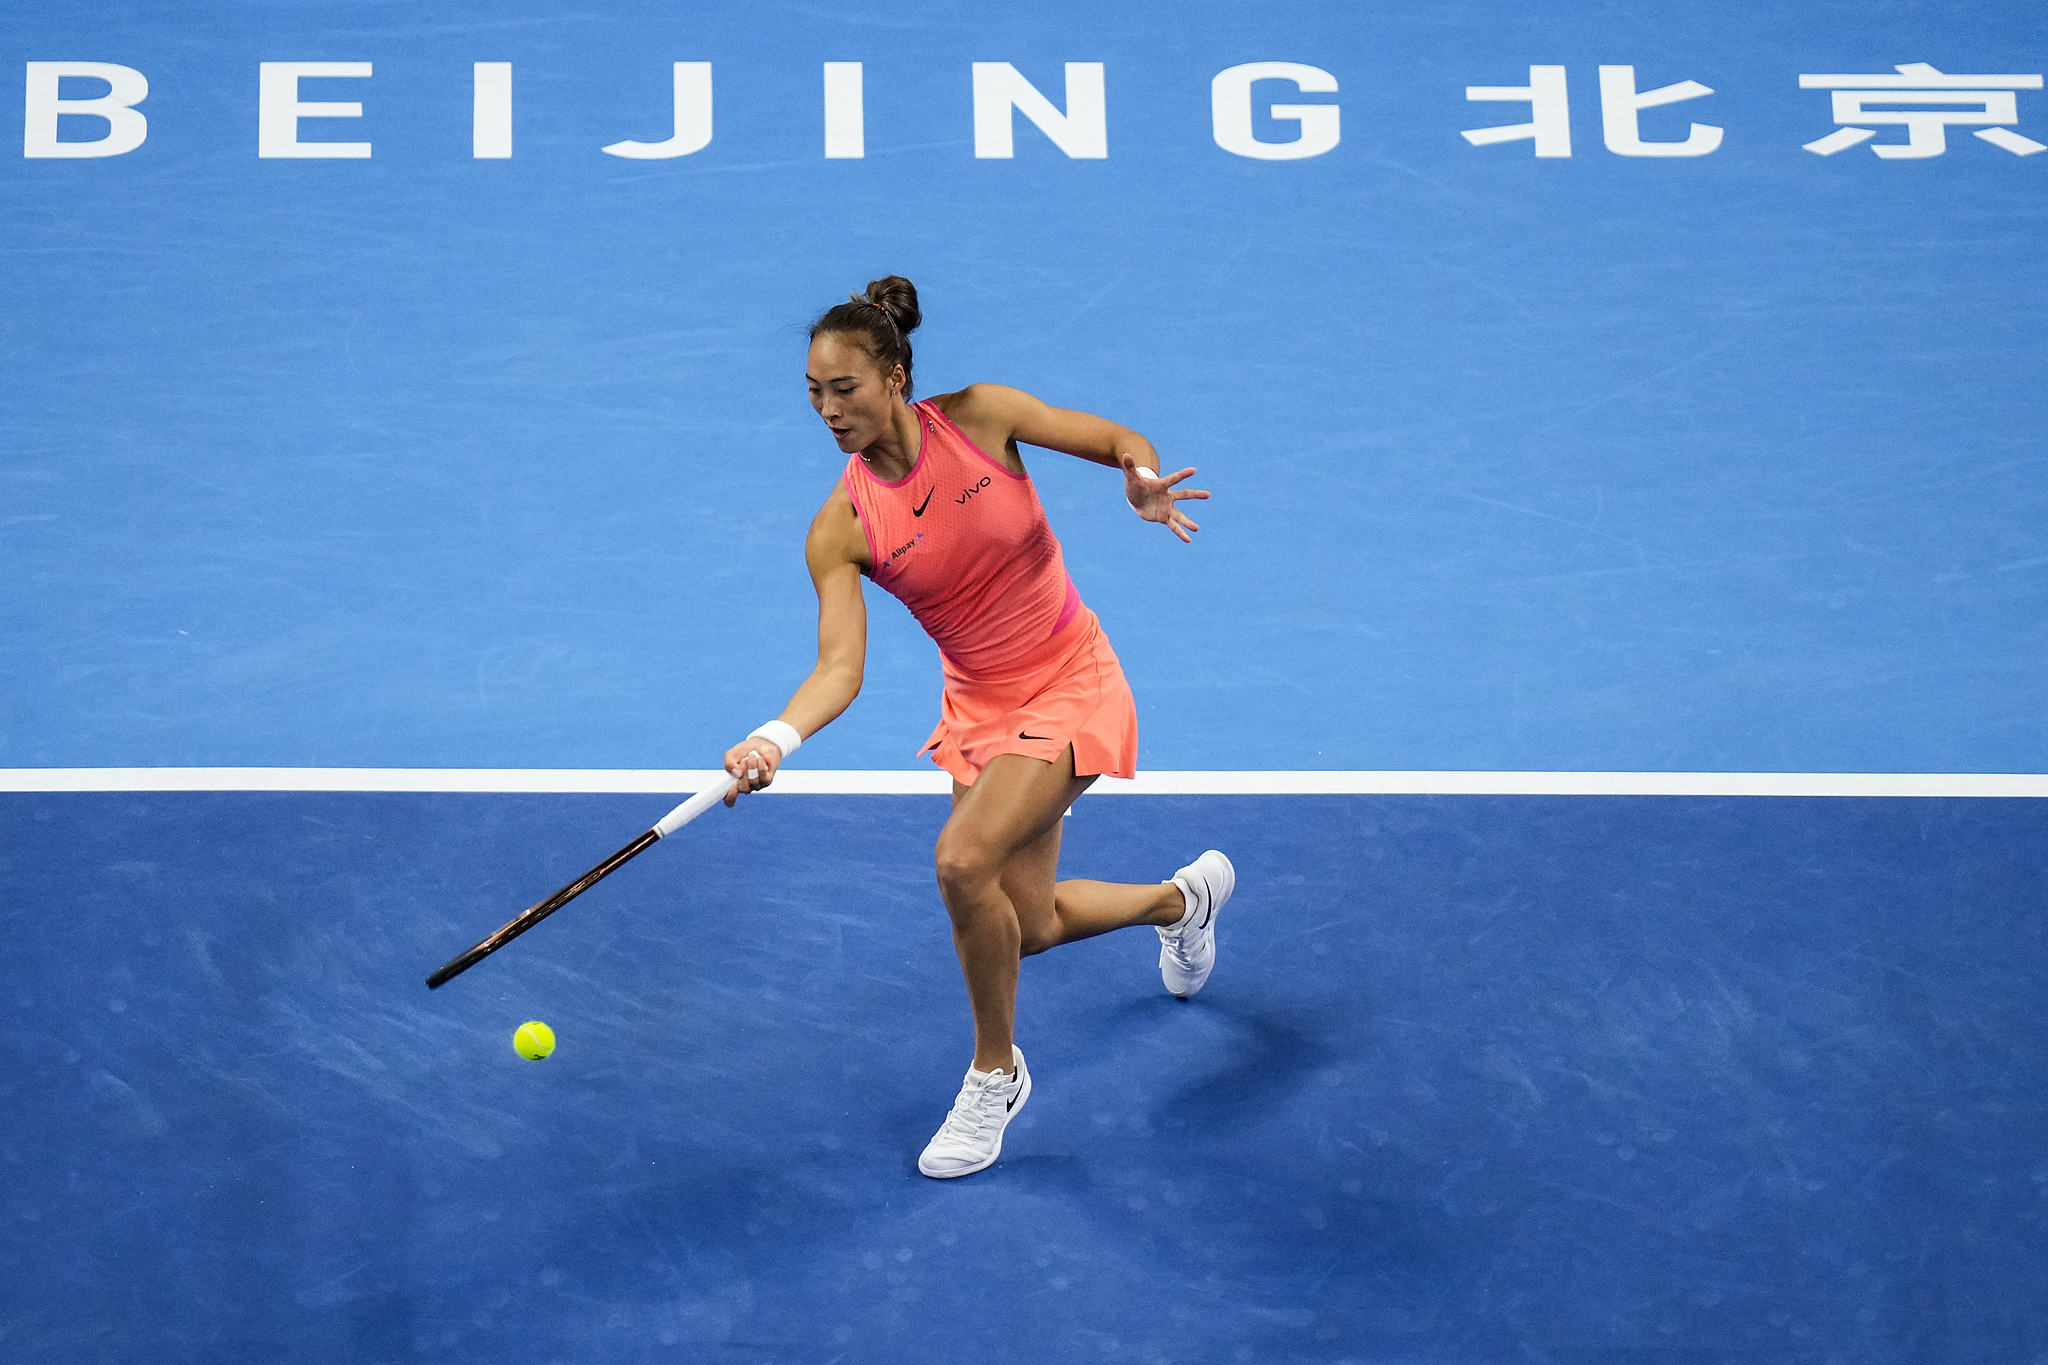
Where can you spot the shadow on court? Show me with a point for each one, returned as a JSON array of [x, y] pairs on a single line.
[[1478, 1079]]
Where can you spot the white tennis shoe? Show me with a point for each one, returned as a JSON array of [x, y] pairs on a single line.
[[971, 1138], [1187, 950]]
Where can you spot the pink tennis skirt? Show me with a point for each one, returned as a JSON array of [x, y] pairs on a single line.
[[1072, 691]]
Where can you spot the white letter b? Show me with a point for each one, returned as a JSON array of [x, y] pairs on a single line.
[[126, 127]]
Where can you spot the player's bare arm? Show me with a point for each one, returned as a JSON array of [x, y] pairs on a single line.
[[997, 418], [837, 555]]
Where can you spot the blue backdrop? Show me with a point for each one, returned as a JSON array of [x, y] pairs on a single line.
[[1601, 462]]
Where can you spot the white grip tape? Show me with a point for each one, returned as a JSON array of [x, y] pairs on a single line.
[[781, 734], [694, 807]]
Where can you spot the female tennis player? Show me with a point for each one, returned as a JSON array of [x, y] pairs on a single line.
[[935, 507]]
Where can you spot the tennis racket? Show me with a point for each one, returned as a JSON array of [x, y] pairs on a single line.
[[667, 825]]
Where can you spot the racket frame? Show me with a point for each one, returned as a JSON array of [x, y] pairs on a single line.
[[667, 825]]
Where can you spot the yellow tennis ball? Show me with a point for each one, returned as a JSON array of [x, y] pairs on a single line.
[[533, 1040]]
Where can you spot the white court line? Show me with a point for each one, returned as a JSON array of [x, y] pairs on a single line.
[[670, 781]]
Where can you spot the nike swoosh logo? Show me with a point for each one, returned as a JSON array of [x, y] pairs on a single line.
[[1013, 1099], [918, 510], [1022, 735]]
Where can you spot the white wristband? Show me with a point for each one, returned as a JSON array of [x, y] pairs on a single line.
[[781, 734], [1142, 473]]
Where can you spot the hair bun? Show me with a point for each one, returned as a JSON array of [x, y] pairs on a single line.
[[897, 297], [882, 318]]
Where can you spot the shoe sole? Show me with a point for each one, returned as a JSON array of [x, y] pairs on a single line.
[[1023, 1099]]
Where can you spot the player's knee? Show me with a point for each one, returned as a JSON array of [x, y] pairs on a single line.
[[963, 869]]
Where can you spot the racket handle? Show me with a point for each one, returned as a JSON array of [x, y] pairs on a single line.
[[694, 807]]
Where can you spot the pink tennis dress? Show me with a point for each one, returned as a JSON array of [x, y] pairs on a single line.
[[964, 544]]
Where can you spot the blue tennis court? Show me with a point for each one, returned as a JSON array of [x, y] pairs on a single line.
[[1611, 657]]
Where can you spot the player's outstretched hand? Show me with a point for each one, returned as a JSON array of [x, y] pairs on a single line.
[[752, 764], [1157, 499]]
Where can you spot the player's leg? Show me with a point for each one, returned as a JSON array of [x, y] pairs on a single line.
[[1028, 881], [1087, 908], [1183, 909], [1050, 913], [996, 859], [1013, 807]]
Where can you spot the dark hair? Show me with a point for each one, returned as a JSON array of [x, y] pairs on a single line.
[[883, 318]]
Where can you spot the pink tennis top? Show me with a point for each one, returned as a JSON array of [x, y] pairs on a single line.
[[964, 544]]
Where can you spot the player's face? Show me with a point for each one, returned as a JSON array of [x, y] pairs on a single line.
[[850, 391]]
